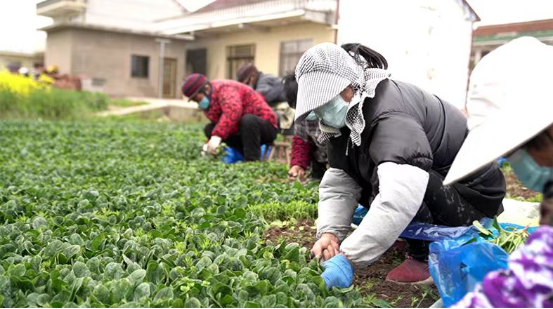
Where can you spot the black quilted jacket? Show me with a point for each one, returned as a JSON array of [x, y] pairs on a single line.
[[406, 125]]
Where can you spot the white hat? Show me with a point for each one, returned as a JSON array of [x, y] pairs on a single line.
[[323, 72], [509, 103]]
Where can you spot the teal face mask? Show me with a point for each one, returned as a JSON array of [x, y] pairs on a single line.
[[529, 172], [311, 117], [334, 112], [204, 103]]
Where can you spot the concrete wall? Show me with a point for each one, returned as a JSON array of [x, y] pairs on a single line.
[[59, 50], [107, 55], [426, 43], [267, 45]]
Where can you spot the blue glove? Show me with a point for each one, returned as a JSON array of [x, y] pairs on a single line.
[[338, 272]]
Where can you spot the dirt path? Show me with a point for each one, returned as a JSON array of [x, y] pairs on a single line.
[[153, 104], [515, 188]]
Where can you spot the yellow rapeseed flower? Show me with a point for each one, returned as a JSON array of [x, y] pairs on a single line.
[[19, 84]]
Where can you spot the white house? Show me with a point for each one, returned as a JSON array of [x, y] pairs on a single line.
[[426, 42]]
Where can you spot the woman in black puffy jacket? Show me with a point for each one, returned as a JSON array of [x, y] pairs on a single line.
[[390, 145]]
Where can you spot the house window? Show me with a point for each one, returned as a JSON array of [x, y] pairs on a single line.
[[290, 54], [196, 61], [140, 66], [236, 56]]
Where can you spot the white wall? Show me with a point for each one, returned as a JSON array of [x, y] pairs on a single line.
[[426, 42], [130, 14]]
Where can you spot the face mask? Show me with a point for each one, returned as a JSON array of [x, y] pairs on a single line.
[[311, 117], [204, 103], [529, 172], [334, 112]]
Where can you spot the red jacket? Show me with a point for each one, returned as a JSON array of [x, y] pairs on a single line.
[[230, 100], [301, 152]]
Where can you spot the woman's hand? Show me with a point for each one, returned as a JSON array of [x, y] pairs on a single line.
[[296, 172], [326, 247]]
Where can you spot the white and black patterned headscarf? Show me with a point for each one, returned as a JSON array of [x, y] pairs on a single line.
[[324, 71]]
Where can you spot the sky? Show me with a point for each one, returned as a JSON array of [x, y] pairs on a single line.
[[18, 24], [18, 19], [509, 11]]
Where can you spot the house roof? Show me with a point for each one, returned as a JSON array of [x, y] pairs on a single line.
[[500, 34], [225, 4], [69, 25], [530, 26], [223, 16], [246, 10], [466, 4]]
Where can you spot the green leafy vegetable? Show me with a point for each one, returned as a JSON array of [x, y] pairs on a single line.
[[509, 239], [106, 214]]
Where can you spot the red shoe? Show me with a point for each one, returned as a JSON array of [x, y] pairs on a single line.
[[410, 272]]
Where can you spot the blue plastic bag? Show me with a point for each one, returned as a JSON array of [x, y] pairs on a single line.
[[232, 155], [433, 232], [457, 267], [425, 231], [267, 153], [421, 231]]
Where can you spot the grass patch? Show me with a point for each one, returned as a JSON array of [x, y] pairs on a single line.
[[51, 104]]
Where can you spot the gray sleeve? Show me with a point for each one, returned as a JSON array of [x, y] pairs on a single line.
[[270, 87], [402, 189], [338, 197]]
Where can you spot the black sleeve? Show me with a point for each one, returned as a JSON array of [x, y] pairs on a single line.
[[336, 152], [399, 138]]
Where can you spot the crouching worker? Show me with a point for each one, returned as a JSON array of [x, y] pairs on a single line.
[[269, 86], [389, 147], [306, 150], [239, 117], [512, 115]]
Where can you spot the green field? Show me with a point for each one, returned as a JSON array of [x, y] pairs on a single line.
[[128, 214]]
